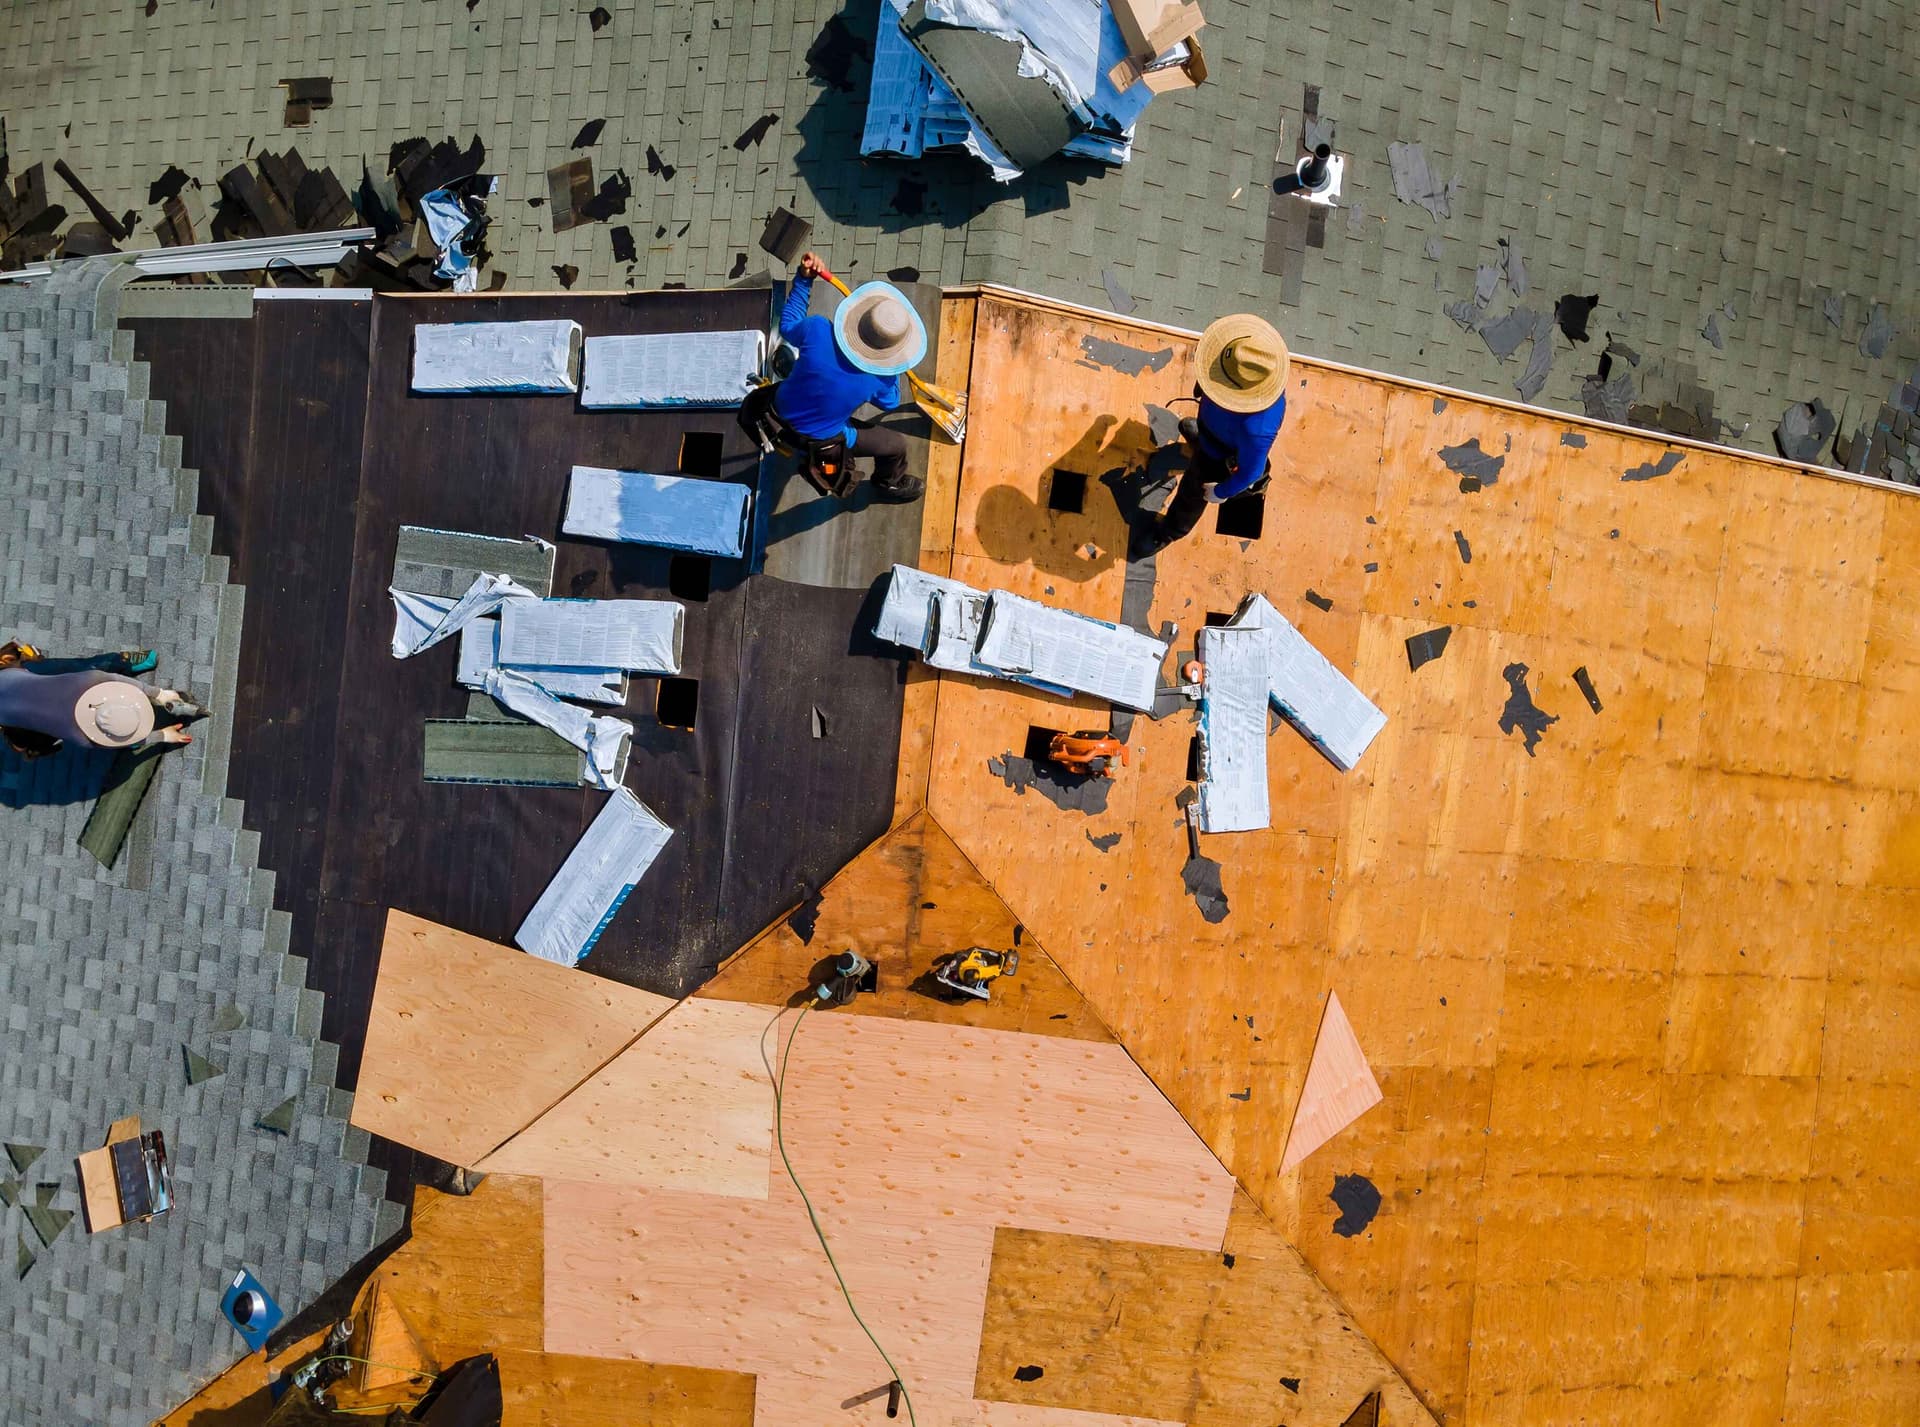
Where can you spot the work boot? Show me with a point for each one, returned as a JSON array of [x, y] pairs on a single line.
[[908, 488], [140, 661], [1190, 430]]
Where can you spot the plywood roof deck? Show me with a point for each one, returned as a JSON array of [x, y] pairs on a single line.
[[1644, 1001]]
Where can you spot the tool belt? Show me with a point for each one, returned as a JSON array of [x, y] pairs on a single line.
[[824, 461]]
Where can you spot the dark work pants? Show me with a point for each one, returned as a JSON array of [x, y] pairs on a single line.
[[888, 449], [1189, 502]]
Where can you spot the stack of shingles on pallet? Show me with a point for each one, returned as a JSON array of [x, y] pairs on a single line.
[[404, 253]]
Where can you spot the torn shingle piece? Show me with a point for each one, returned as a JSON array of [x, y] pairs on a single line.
[[612, 855], [1711, 331], [1504, 335], [1118, 298], [1427, 647], [1572, 312], [1879, 332], [1316, 698], [1486, 280], [1513, 267], [1414, 182], [1539, 359]]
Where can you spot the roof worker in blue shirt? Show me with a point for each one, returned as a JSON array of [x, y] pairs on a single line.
[[1242, 378], [857, 358]]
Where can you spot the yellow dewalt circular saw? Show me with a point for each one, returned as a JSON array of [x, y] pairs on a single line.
[[971, 972]]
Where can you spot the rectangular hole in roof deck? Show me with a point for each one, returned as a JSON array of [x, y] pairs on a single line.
[[690, 577], [1243, 517], [1193, 759], [1067, 491], [1039, 743], [700, 453], [1216, 618], [679, 702]]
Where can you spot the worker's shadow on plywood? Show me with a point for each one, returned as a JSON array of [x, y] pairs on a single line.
[[895, 194], [1089, 496]]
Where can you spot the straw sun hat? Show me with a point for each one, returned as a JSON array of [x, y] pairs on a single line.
[[879, 330], [1242, 362]]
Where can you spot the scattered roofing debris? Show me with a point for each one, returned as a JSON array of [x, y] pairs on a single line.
[[599, 17], [1339, 1088], [1834, 309], [1475, 467], [1513, 268], [1878, 333], [1201, 877], [589, 134], [1585, 681], [1571, 313], [1711, 331], [1608, 395], [1539, 358], [657, 167], [1425, 648], [1129, 361], [456, 224], [1650, 469], [1804, 431], [305, 98], [168, 185], [1521, 714], [1118, 298], [1106, 842], [1466, 550], [1505, 333], [751, 136], [115, 229], [1318, 601], [1888, 445], [612, 197], [785, 237], [625, 249], [1013, 82], [1358, 1201], [569, 190], [29, 222], [566, 274], [1575, 439], [1415, 182]]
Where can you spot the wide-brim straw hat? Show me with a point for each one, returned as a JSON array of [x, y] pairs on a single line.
[[879, 331], [114, 714], [1242, 362]]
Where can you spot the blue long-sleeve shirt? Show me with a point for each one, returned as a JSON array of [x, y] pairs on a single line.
[[1240, 438], [824, 389]]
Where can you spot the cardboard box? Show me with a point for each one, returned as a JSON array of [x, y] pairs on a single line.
[[138, 1160], [1151, 28]]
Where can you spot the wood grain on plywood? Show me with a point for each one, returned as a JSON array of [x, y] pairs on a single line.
[[906, 902], [564, 1390], [472, 1272], [1175, 1334], [687, 1106], [469, 1041]]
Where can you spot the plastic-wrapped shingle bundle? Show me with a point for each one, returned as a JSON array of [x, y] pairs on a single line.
[[496, 358], [1073, 44]]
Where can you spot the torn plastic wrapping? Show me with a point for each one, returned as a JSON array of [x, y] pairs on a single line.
[[605, 741], [455, 229], [496, 357], [422, 621], [480, 652]]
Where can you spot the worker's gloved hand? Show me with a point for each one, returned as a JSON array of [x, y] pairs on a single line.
[[810, 266], [1212, 492]]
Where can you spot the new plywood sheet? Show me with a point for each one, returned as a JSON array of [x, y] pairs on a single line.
[[468, 1041], [687, 1106], [1339, 1089]]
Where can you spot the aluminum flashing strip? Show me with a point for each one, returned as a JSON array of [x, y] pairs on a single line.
[[304, 250], [1309, 692], [671, 369], [1233, 729], [495, 357], [610, 858], [675, 512], [641, 635], [1028, 640]]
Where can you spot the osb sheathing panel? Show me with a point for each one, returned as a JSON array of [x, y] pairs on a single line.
[[1641, 1002]]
